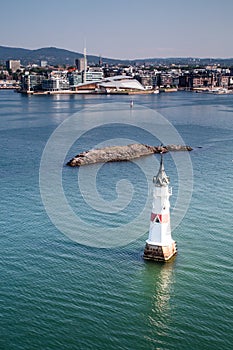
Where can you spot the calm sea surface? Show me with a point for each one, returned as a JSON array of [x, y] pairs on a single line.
[[58, 294]]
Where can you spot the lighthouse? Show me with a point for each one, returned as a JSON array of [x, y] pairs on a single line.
[[160, 246]]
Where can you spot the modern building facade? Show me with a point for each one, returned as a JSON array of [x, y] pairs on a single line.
[[81, 64], [120, 83], [94, 75], [14, 65], [75, 78], [55, 84], [32, 82]]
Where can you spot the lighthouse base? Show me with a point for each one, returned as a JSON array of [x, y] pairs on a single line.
[[160, 252]]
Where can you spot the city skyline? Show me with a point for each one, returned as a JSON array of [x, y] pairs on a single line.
[[122, 30]]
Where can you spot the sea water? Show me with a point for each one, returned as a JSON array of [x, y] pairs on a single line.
[[57, 293]]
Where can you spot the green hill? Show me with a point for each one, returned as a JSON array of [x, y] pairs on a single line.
[[53, 55]]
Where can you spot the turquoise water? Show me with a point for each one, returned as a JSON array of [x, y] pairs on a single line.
[[58, 294]]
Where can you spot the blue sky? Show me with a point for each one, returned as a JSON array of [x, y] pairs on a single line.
[[121, 29]]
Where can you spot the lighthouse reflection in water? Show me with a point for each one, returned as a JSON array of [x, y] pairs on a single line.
[[160, 282]]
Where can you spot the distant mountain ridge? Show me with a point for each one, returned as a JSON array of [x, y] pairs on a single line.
[[53, 55], [57, 56]]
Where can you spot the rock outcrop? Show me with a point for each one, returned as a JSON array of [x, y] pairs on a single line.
[[121, 153]]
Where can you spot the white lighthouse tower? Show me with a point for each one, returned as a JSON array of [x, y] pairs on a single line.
[[160, 246]]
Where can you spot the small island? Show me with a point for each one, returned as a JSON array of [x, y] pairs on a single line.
[[122, 153]]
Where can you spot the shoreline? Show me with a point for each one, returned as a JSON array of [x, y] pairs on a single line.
[[218, 91], [140, 92], [85, 92]]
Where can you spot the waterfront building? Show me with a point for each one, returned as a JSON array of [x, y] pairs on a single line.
[[185, 81], [230, 82], [31, 82], [146, 81], [75, 79], [94, 74], [160, 246], [166, 80], [14, 65], [55, 84], [224, 81], [90, 87], [154, 81], [201, 81], [120, 83]]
